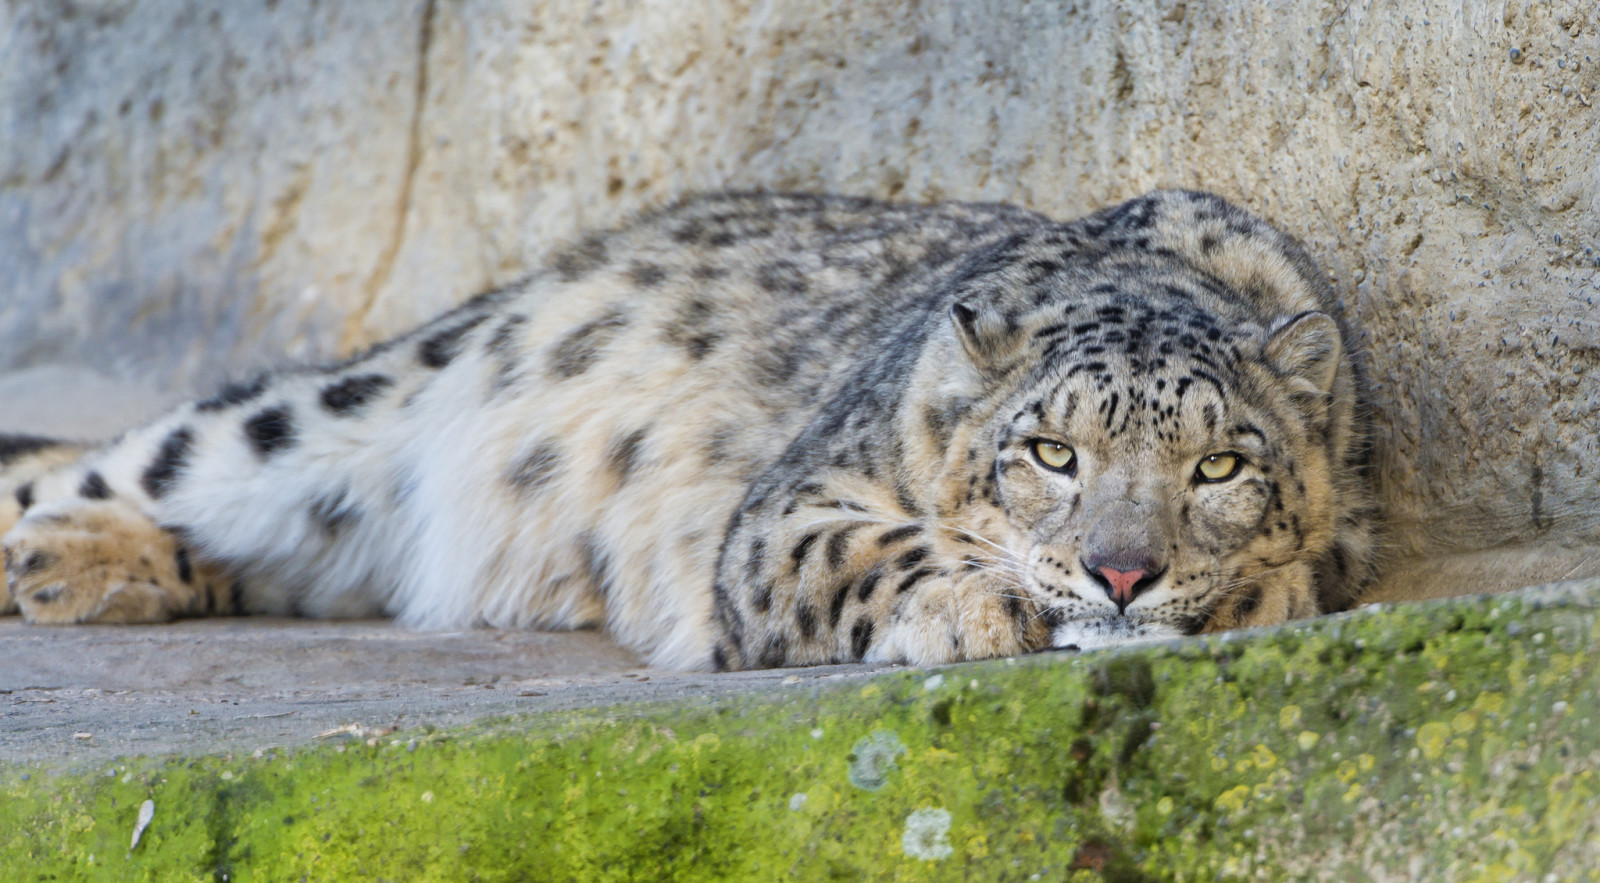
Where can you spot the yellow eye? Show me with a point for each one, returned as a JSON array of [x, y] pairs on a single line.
[[1217, 467], [1055, 455]]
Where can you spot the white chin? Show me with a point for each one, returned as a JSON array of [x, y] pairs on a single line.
[[1089, 634]]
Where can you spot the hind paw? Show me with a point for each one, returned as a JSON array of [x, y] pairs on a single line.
[[103, 562]]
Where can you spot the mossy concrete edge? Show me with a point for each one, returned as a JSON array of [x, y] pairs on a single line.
[[1450, 740]]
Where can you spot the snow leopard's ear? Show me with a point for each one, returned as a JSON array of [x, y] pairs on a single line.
[[1305, 349], [990, 338]]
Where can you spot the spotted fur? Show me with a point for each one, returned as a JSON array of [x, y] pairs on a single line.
[[760, 430]]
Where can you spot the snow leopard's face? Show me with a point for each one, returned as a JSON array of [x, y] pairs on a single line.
[[1162, 470]]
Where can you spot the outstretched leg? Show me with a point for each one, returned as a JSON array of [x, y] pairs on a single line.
[[88, 556]]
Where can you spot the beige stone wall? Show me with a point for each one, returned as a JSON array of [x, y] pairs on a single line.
[[191, 187]]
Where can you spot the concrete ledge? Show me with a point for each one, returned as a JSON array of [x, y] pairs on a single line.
[[1449, 740]]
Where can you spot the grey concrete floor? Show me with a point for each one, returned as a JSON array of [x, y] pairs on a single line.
[[88, 693]]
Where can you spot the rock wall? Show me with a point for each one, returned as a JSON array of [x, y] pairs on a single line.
[[193, 187]]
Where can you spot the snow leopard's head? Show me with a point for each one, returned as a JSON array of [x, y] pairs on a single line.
[[1160, 438]]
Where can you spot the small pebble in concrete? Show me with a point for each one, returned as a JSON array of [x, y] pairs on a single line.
[[1517, 55], [927, 835], [147, 811]]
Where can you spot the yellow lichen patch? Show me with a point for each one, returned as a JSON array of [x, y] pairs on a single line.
[[1307, 740], [1490, 703], [1347, 771], [1263, 757], [1432, 737], [1289, 717], [1233, 799]]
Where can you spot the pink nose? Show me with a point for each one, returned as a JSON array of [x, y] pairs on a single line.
[[1122, 583]]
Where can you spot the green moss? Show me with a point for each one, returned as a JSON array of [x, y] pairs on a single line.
[[1449, 741]]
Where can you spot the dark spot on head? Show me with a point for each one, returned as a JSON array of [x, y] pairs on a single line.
[[171, 458], [24, 495], [270, 430], [94, 487], [344, 397]]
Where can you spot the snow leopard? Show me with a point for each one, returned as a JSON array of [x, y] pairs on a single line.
[[761, 430]]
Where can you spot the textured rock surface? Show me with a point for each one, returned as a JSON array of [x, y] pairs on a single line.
[[1449, 741], [190, 188]]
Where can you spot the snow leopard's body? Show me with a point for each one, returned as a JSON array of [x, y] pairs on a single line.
[[767, 430]]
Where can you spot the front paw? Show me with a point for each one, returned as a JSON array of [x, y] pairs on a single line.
[[94, 562], [953, 620]]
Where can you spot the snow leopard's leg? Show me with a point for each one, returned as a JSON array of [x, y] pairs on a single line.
[[840, 571], [310, 492], [95, 559]]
